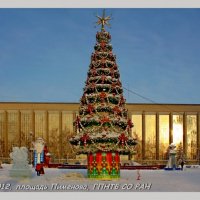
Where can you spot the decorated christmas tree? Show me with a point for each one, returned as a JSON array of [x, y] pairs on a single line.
[[102, 126]]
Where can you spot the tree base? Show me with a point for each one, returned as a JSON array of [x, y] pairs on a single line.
[[104, 165]]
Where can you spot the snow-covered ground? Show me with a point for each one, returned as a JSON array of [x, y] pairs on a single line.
[[74, 180]]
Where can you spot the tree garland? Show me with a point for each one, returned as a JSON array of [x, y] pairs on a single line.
[[102, 123]]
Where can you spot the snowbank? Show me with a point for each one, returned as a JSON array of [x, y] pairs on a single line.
[[70, 180]]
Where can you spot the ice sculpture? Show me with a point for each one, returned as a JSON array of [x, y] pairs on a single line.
[[20, 167]]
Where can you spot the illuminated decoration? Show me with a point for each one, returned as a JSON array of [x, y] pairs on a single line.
[[102, 126]]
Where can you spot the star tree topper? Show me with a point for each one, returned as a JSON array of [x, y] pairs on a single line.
[[103, 20]]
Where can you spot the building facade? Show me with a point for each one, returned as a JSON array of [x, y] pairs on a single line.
[[155, 126]]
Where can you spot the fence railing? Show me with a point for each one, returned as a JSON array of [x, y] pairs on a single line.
[[7, 160]]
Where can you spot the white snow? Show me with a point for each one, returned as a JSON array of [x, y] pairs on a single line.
[[75, 180]]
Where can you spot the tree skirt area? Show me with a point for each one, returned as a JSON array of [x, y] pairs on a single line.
[[75, 180]]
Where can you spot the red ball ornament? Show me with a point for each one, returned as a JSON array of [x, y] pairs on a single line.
[[122, 138], [84, 139]]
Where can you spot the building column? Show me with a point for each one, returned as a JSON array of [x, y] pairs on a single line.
[[130, 117], [143, 136], [47, 127], [170, 128], [74, 118], [33, 125], [185, 133], [198, 137], [157, 136], [60, 135], [6, 133], [130, 156], [19, 128]]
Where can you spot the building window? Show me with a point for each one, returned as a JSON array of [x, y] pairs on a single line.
[[150, 137], [67, 132], [137, 133], [54, 135], [178, 129], [191, 148], [2, 137], [26, 127], [40, 125], [13, 130], [163, 136], [67, 122]]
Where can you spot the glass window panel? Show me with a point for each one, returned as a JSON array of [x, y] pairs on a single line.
[[163, 136], [178, 129], [67, 132], [13, 134], [137, 133], [191, 137], [40, 125], [26, 127], [2, 139], [54, 134], [150, 137], [67, 124]]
